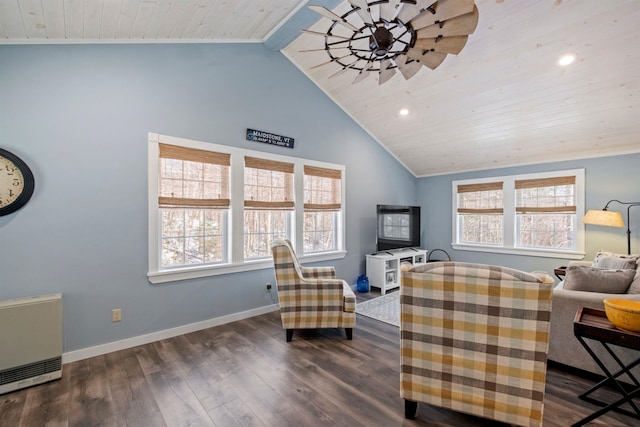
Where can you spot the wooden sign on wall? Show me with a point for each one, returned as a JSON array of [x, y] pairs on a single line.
[[269, 138]]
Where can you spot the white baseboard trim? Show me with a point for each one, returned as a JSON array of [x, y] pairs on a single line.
[[98, 350]]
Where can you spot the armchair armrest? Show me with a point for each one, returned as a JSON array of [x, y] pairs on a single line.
[[313, 295], [318, 272]]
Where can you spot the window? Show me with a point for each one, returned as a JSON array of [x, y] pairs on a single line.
[[534, 214], [322, 195], [546, 212], [215, 209], [480, 213], [193, 201], [268, 202]]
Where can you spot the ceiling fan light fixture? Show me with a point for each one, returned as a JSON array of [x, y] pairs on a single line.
[[381, 41]]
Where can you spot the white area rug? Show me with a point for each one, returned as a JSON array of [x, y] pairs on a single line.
[[385, 308]]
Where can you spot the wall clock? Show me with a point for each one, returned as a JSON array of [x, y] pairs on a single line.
[[16, 183]]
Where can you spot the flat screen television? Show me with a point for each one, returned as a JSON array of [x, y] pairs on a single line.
[[398, 227]]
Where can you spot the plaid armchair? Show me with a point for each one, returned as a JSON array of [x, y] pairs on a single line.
[[474, 339], [311, 297]]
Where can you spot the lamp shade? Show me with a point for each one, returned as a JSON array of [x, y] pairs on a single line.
[[602, 217]]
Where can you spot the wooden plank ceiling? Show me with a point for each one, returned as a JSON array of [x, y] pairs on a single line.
[[503, 101]]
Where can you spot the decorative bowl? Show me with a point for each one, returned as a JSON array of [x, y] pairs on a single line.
[[624, 314]]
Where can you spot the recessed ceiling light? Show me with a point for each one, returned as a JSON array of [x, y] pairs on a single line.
[[567, 59], [403, 111]]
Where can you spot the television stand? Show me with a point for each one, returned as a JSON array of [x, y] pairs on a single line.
[[383, 268]]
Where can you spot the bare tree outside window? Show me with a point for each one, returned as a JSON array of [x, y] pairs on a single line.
[[261, 228], [192, 236], [319, 231]]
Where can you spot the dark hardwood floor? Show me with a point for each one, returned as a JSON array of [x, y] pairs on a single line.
[[245, 374]]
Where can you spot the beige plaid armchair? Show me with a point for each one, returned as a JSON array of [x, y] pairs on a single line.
[[311, 297], [474, 339]]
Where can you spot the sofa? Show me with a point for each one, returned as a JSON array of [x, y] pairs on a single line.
[[587, 284]]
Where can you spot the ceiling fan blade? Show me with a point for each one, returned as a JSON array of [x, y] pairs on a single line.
[[363, 10], [332, 16], [317, 33], [388, 10], [410, 11], [344, 68], [364, 73], [323, 49], [445, 9], [427, 58], [386, 71], [443, 44], [407, 67], [330, 61], [460, 26]]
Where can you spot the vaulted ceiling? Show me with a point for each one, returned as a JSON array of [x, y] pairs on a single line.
[[502, 101]]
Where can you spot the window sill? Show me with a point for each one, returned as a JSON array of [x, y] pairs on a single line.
[[173, 275], [546, 253]]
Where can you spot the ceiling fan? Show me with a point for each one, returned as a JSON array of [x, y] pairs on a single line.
[[385, 36]]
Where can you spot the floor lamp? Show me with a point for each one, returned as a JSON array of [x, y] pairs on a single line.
[[611, 219]]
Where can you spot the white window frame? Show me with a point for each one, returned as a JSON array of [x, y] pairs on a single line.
[[509, 217], [235, 238]]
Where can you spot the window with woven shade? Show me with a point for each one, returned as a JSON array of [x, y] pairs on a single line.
[[480, 213], [268, 201], [193, 197], [546, 212], [322, 205], [532, 214], [215, 209]]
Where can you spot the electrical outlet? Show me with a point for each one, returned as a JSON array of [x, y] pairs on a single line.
[[116, 315], [268, 286]]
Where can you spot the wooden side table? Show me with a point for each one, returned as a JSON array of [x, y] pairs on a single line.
[[560, 272], [593, 324]]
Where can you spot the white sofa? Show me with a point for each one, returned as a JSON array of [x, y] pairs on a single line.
[[569, 297]]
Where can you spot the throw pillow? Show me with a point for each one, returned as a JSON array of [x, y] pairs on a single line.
[[634, 287], [613, 261], [590, 279]]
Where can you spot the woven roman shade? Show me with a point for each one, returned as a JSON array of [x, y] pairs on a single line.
[[322, 189], [268, 184], [546, 195], [480, 199], [192, 178]]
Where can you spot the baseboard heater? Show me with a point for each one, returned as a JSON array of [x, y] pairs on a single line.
[[30, 341]]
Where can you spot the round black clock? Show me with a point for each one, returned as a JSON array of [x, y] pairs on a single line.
[[16, 183]]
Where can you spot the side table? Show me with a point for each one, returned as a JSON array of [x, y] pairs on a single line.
[[560, 272], [593, 324]]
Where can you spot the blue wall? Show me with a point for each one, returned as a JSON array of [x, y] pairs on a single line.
[[606, 178], [79, 116]]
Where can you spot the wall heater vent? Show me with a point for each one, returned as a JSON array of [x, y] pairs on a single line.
[[31, 341]]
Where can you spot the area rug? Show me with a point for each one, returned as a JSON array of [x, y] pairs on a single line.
[[385, 308]]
